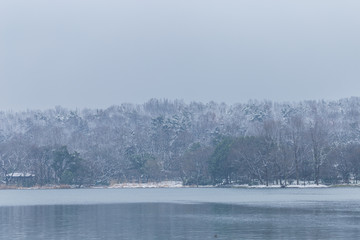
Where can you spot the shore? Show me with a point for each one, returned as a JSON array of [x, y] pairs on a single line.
[[174, 184]]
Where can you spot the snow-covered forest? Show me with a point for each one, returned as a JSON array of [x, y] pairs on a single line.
[[258, 142]]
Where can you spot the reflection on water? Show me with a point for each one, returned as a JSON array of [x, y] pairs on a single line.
[[322, 220]]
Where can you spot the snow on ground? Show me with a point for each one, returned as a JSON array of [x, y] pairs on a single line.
[[178, 184], [279, 186], [163, 184], [307, 186]]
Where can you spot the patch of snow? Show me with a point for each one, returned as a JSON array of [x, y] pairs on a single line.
[[279, 186], [163, 184], [307, 186], [18, 174]]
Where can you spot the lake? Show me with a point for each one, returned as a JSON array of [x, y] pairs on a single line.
[[180, 213]]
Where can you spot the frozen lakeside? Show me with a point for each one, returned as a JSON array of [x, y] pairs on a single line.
[[179, 184], [163, 184]]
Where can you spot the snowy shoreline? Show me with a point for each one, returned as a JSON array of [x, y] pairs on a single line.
[[178, 184], [173, 184]]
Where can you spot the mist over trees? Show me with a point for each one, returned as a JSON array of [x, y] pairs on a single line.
[[259, 142]]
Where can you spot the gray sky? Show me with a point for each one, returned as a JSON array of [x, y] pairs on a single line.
[[92, 53]]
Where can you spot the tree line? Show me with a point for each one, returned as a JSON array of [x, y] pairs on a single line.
[[259, 142]]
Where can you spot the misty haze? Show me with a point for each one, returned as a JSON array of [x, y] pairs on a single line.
[[123, 119]]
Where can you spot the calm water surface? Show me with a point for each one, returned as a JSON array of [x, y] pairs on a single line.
[[180, 214]]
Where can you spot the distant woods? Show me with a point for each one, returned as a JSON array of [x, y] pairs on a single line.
[[259, 142]]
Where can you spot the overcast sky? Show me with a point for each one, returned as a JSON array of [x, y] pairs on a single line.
[[97, 53]]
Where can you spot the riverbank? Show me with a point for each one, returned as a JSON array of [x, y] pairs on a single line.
[[174, 184], [282, 186]]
